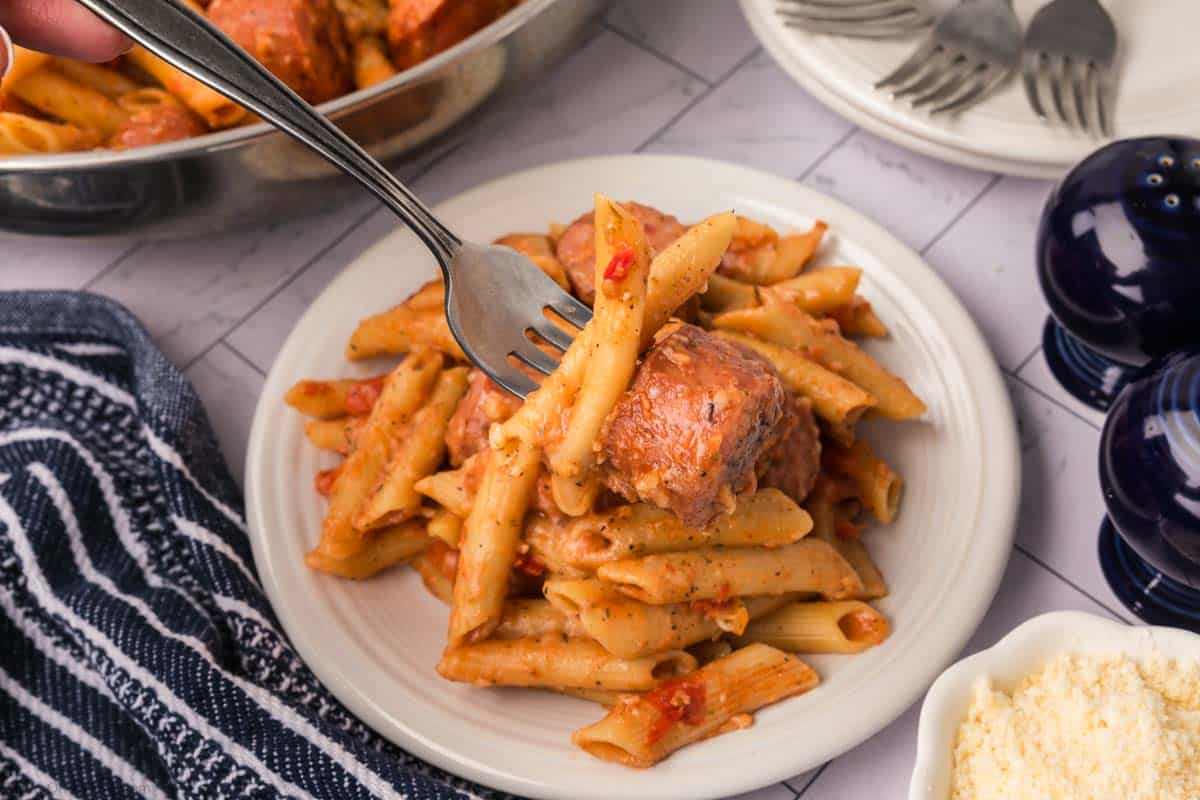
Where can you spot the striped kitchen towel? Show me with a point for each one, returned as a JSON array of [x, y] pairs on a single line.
[[138, 655]]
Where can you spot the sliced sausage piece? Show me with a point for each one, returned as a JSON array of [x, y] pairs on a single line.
[[162, 123], [792, 465], [420, 29], [698, 415], [577, 245], [484, 403], [303, 42]]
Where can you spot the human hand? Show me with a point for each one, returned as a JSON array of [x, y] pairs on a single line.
[[60, 27]]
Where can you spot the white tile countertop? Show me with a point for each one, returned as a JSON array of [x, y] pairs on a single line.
[[694, 81]]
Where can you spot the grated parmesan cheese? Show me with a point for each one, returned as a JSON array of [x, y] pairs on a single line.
[[1084, 728]]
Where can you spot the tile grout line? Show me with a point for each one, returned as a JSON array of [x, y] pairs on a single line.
[[695, 101], [112, 265], [821, 159], [812, 780], [962, 213], [243, 357], [1025, 362], [633, 40], [1025, 552], [1042, 394]]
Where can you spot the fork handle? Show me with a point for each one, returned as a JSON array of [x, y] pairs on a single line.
[[189, 42]]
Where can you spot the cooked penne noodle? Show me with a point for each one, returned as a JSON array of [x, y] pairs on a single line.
[[490, 537], [540, 250], [60, 97], [402, 330], [105, 80], [793, 252], [875, 483], [554, 661], [371, 62], [622, 265], [857, 318], [446, 526], [21, 134], [630, 628], [809, 565], [214, 108], [642, 733], [363, 17], [768, 518], [416, 456], [403, 393], [449, 487], [783, 324], [825, 521], [337, 435], [532, 617], [335, 399], [428, 566], [835, 399], [145, 97], [710, 650], [683, 268], [386, 548], [728, 294], [843, 626], [430, 297], [822, 290], [24, 63]]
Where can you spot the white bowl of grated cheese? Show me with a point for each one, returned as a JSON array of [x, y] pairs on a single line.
[[1068, 705]]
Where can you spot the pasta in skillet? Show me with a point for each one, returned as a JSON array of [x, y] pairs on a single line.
[[671, 518]]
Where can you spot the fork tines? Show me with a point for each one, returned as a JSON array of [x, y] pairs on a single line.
[[870, 19], [941, 77]]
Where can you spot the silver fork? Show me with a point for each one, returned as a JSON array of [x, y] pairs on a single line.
[[971, 50], [495, 297], [867, 19], [1071, 45]]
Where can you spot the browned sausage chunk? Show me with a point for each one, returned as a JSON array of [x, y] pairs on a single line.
[[420, 29], [792, 465], [164, 123], [303, 42], [484, 403], [577, 246], [697, 417]]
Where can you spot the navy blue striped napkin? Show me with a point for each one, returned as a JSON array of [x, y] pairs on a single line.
[[138, 655]]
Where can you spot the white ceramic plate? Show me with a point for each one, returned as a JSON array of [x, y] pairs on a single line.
[[1008, 662], [1159, 65], [375, 643]]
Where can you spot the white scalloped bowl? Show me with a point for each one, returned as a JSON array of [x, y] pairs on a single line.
[[1028, 647]]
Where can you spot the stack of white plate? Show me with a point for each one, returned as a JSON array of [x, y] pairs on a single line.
[[1159, 89]]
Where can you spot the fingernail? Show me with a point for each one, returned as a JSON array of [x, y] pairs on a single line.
[[7, 45]]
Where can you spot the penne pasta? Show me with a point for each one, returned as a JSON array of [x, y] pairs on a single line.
[[371, 62], [825, 521], [24, 63], [857, 318], [60, 97], [809, 565], [21, 135], [793, 252], [728, 294], [622, 265], [395, 498], [532, 617], [631, 628], [402, 330], [335, 399], [876, 485], [386, 548], [835, 399], [429, 566], [217, 110], [767, 518], [449, 488], [554, 661], [446, 526], [337, 435], [105, 80], [714, 699], [403, 393], [783, 324], [710, 650], [845, 627], [363, 17], [604, 697], [540, 250], [822, 290]]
